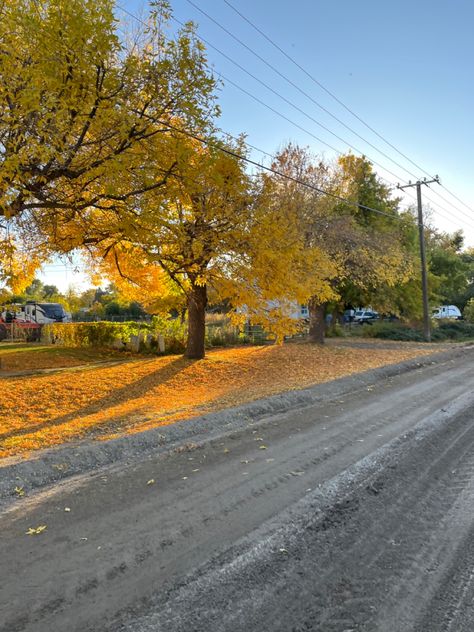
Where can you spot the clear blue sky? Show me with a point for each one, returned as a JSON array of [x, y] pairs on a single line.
[[406, 68]]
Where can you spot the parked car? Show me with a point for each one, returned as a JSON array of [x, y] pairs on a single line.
[[446, 311], [362, 316]]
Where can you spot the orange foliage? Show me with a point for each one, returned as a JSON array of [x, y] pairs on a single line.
[[139, 279], [104, 401]]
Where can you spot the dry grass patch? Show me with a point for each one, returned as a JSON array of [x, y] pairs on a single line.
[[18, 357], [45, 410]]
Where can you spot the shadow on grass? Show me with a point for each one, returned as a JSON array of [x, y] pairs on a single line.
[[114, 398]]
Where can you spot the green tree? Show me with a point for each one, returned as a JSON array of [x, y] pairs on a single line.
[[50, 291], [379, 248], [452, 268], [35, 291]]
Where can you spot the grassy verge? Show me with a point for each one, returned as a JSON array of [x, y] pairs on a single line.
[[18, 357], [442, 331], [40, 411]]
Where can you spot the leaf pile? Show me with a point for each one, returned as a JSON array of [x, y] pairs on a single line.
[[105, 401]]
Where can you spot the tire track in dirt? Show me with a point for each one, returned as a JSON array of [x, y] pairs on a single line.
[[156, 536], [362, 564]]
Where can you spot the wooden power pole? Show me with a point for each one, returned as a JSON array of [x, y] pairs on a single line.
[[421, 232]]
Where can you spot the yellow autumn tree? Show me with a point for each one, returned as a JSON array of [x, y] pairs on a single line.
[[138, 277], [216, 227], [367, 249], [18, 264], [77, 109]]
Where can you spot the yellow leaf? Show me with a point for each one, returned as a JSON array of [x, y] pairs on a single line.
[[36, 530]]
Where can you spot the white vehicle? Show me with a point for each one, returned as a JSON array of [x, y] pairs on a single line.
[[446, 311], [43, 313], [365, 316]]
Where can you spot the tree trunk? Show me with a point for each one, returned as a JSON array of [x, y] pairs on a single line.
[[197, 301], [317, 323]]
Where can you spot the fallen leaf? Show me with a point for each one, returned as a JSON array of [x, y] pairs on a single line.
[[226, 450], [67, 508], [36, 530], [262, 447], [151, 481], [19, 491], [241, 372]]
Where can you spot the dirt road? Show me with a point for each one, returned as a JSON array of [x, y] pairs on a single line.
[[350, 514]]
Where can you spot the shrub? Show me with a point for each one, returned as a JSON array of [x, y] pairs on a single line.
[[456, 329], [469, 311], [98, 334], [441, 331], [223, 335], [388, 331], [336, 331], [173, 330]]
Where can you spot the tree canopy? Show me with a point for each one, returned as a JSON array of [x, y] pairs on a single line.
[[100, 151]]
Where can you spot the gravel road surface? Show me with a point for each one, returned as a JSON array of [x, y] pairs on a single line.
[[356, 513]]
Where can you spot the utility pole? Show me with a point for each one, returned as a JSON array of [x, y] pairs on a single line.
[[421, 232]]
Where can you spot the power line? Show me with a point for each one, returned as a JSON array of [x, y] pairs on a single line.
[[308, 185], [278, 113], [294, 85], [452, 205], [283, 116], [323, 87], [305, 130], [331, 94], [457, 198], [296, 107], [469, 217], [261, 82], [248, 160]]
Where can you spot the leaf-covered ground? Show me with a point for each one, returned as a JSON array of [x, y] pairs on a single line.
[[21, 357], [102, 401]]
